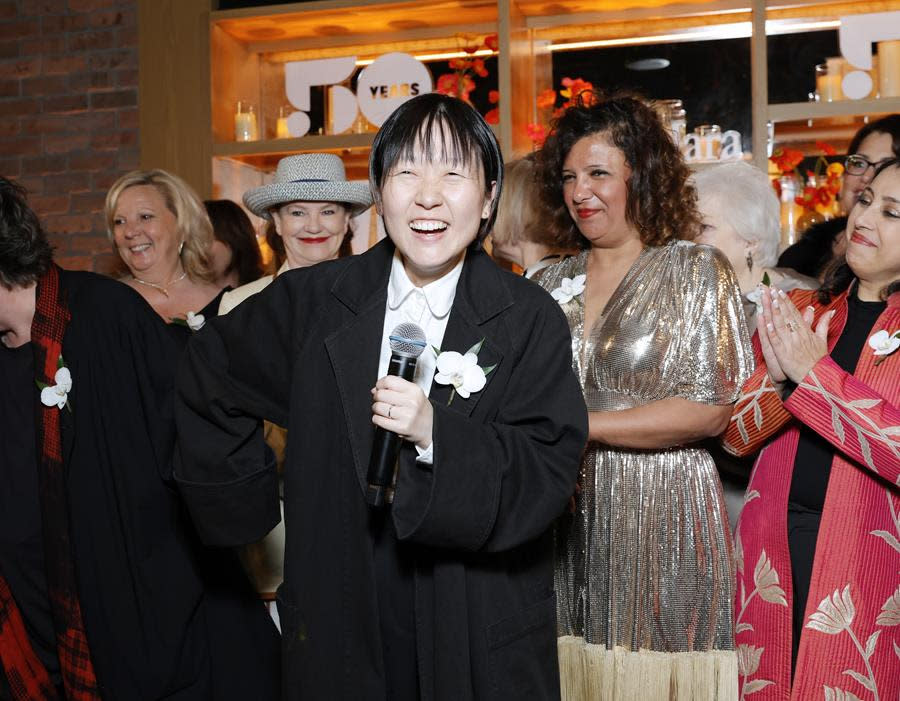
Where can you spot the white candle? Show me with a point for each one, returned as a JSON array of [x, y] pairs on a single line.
[[245, 128], [281, 129], [829, 87]]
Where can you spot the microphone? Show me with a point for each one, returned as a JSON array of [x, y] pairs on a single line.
[[407, 343]]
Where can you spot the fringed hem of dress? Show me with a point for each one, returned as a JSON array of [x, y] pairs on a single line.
[[590, 672]]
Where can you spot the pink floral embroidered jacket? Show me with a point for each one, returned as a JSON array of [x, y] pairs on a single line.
[[850, 647]]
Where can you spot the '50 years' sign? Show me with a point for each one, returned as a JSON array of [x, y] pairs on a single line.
[[382, 86]]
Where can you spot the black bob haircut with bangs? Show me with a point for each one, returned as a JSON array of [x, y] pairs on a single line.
[[409, 134]]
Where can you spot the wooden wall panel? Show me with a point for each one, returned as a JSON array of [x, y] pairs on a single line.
[[173, 89]]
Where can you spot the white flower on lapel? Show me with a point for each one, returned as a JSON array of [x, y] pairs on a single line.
[[569, 288], [755, 296], [884, 343], [462, 371], [57, 395], [195, 322]]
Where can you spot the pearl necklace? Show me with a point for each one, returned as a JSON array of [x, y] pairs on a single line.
[[161, 288]]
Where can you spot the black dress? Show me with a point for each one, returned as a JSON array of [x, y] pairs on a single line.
[[812, 465], [160, 621], [21, 542]]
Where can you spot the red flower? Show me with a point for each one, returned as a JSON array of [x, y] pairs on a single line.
[[537, 133], [787, 159], [572, 88], [478, 67], [455, 85], [492, 116], [459, 64], [546, 99], [494, 97], [826, 148], [492, 42]]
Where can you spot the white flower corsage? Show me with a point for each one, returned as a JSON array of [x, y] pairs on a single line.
[[193, 321], [756, 294], [569, 289], [884, 343], [58, 394], [462, 371]]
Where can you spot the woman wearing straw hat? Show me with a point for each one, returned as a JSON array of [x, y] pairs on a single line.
[[309, 207]]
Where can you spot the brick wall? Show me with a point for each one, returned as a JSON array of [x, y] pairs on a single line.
[[68, 114]]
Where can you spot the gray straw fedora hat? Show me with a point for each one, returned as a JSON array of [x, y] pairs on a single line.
[[310, 177]]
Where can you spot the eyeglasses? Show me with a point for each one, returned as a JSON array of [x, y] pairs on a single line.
[[857, 165]]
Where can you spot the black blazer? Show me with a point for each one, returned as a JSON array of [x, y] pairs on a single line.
[[304, 354], [165, 617]]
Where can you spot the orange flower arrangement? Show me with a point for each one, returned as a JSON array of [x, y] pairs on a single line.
[[821, 196], [460, 83], [571, 89]]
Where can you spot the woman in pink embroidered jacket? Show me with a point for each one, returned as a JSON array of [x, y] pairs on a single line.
[[818, 543]]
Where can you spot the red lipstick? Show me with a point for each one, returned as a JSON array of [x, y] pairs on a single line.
[[856, 237], [584, 213]]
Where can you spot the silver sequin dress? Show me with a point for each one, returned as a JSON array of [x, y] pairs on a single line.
[[644, 573]]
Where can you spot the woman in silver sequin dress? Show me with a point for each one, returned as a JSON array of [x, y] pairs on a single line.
[[644, 573]]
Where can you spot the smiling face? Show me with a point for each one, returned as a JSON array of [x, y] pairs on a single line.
[[873, 232], [312, 231], [145, 233], [595, 190], [432, 209], [875, 148]]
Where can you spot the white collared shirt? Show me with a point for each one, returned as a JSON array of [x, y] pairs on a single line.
[[429, 308]]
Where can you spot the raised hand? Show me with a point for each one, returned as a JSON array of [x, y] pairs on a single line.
[[793, 347]]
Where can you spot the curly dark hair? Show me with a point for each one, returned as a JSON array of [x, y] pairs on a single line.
[[25, 253], [232, 226], [661, 205], [839, 276]]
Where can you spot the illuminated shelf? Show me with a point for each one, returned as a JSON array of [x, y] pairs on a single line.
[[325, 142], [794, 111]]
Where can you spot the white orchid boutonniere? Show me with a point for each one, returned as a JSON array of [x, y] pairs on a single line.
[[569, 289], [755, 295], [884, 343], [462, 371], [193, 321], [58, 394]]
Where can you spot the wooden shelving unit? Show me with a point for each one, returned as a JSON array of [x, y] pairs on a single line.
[[239, 55]]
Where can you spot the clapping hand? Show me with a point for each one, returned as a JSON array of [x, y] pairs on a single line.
[[789, 345]]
